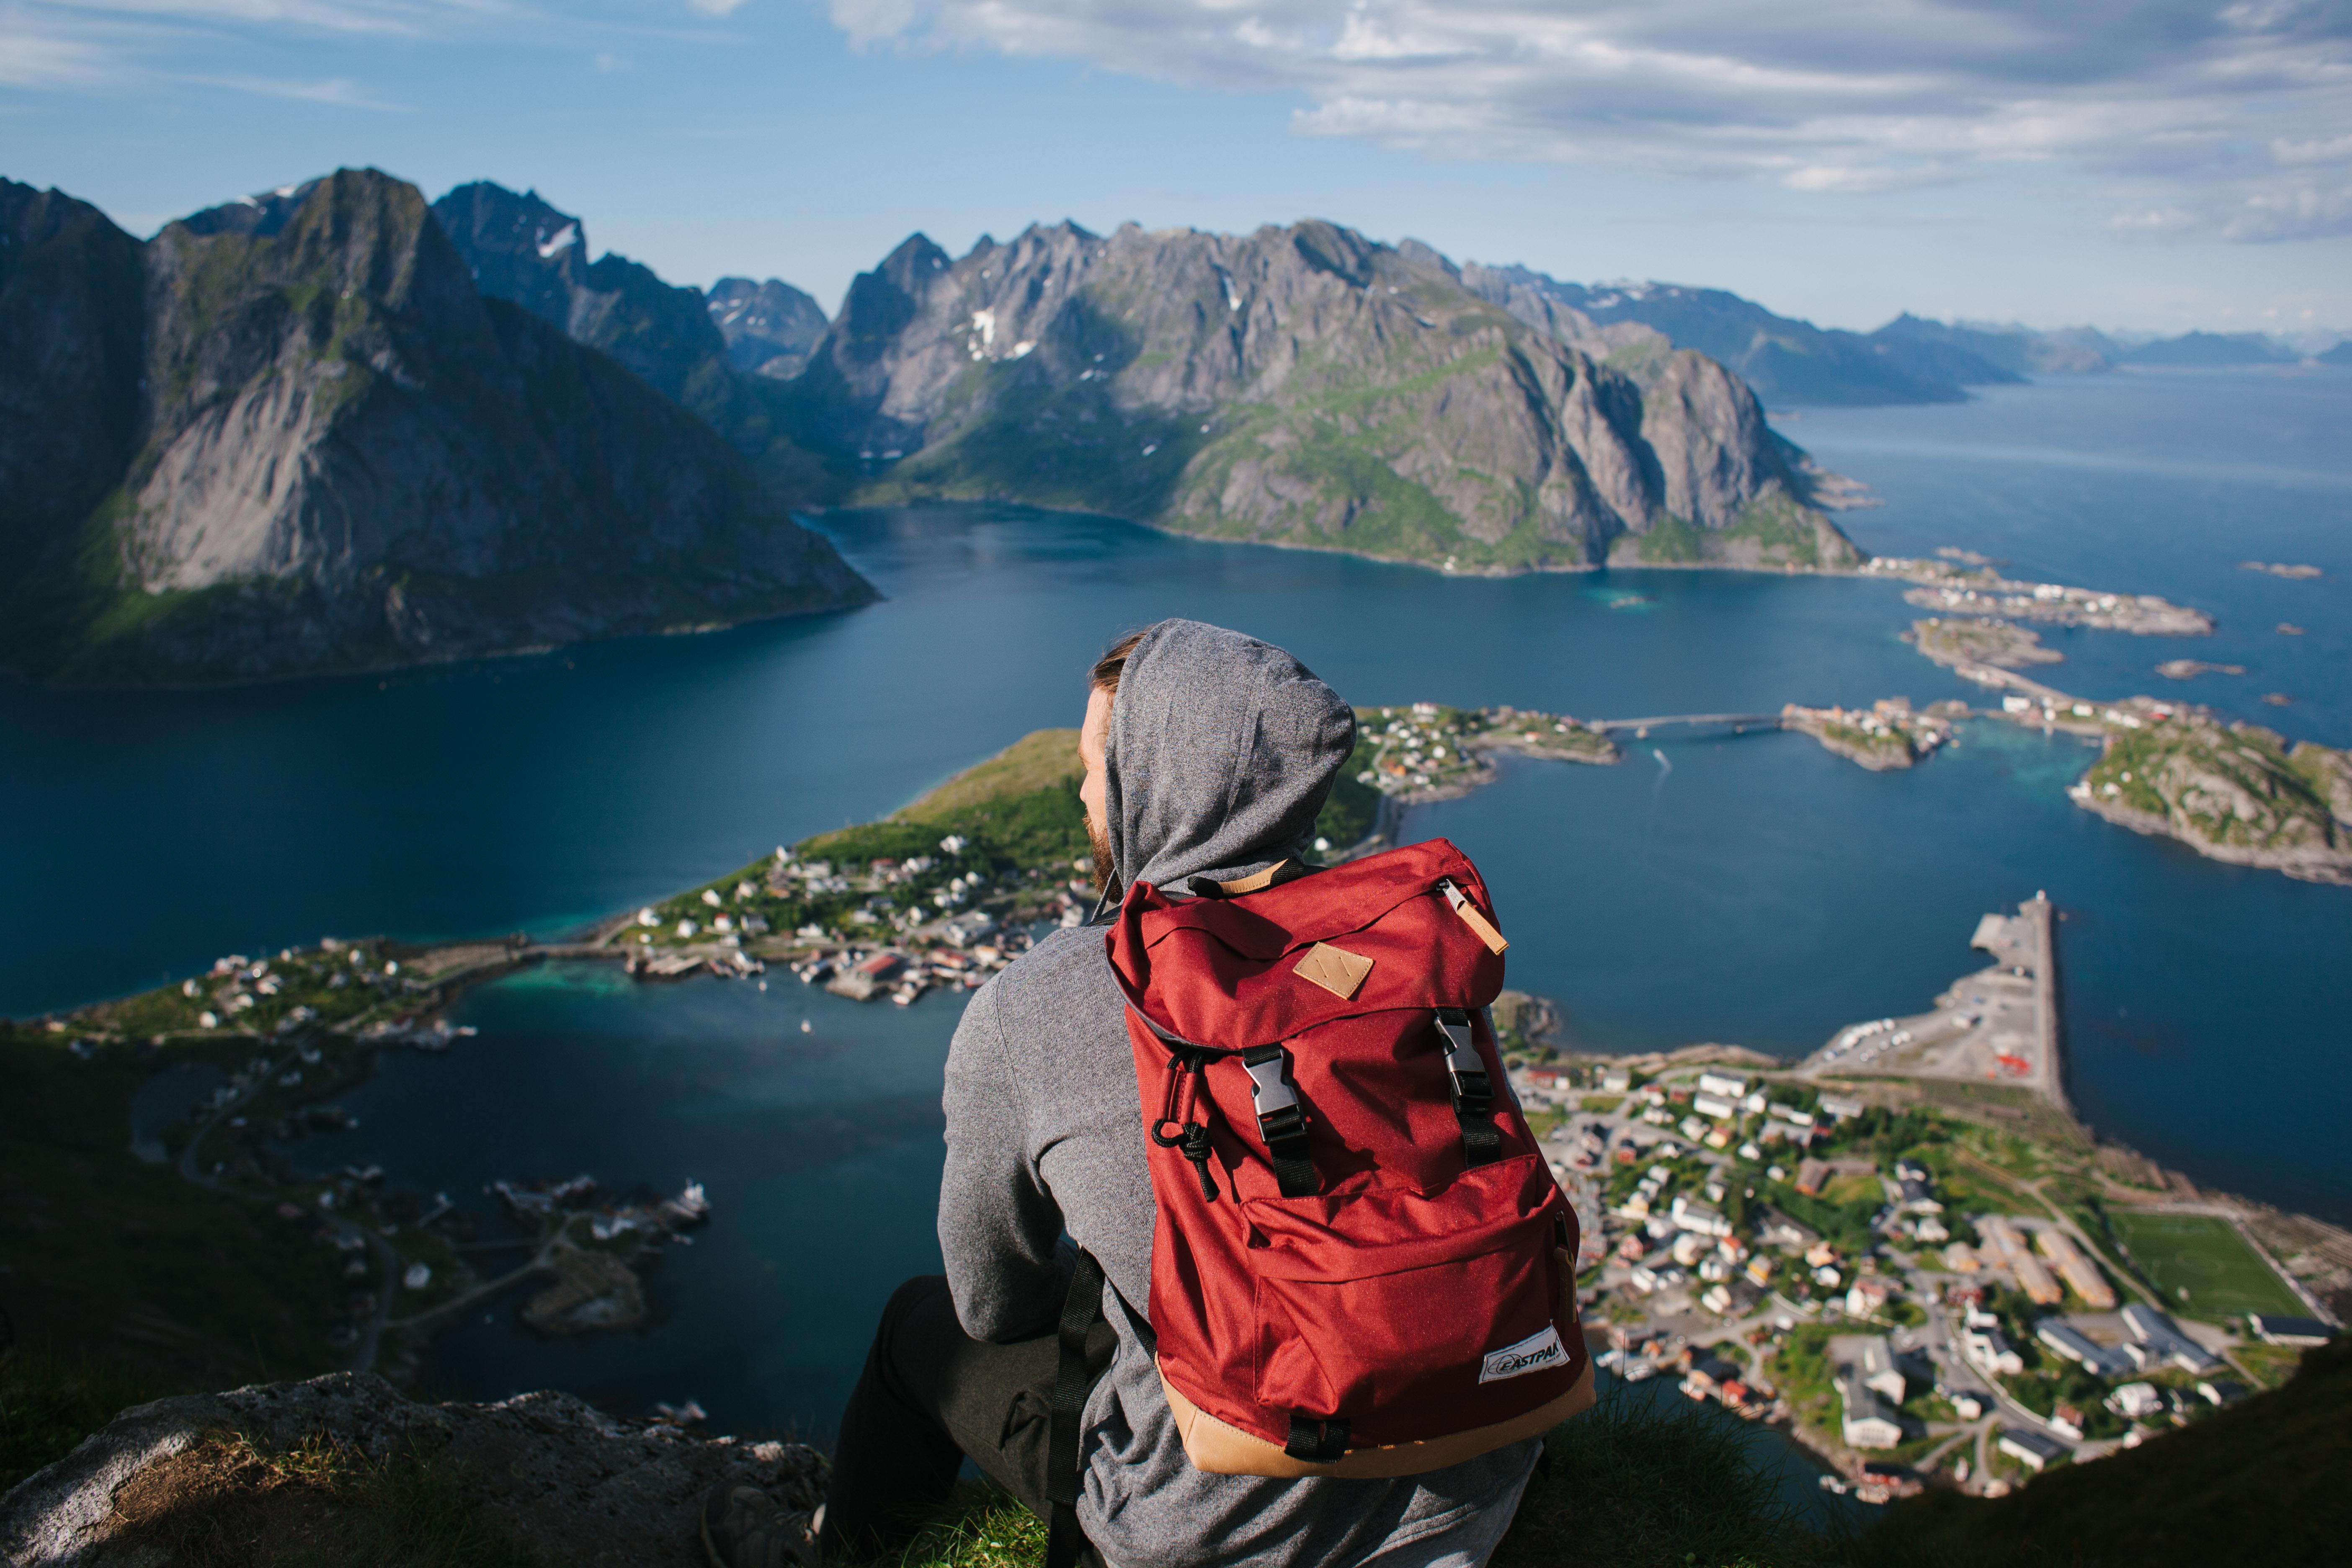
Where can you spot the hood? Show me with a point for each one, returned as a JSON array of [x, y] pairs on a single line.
[[1222, 751]]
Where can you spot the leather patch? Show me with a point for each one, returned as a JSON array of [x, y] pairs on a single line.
[[1335, 969]]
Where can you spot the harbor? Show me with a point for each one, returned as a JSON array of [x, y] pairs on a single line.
[[2001, 1024]]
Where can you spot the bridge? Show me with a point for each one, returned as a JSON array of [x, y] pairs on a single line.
[[1643, 726]]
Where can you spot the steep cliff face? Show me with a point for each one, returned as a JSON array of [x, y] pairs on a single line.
[[1305, 386], [518, 247], [70, 342], [771, 328], [346, 457]]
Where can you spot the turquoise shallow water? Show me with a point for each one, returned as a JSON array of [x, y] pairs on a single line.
[[1751, 890]]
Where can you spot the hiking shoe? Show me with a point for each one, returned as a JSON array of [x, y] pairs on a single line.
[[743, 1527]]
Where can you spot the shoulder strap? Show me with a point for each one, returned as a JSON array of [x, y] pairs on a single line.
[[1073, 1380]]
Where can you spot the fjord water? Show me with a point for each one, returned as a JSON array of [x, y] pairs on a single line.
[[1749, 890]]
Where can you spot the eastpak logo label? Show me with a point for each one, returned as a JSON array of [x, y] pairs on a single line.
[[1533, 1353]]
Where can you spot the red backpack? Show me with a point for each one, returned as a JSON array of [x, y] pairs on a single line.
[[1361, 1265]]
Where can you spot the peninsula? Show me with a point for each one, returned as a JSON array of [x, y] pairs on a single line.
[[2228, 789]]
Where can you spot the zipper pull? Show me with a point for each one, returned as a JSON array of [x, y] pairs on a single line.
[[1471, 917]]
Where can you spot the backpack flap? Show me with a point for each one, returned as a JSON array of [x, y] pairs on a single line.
[[1227, 968]]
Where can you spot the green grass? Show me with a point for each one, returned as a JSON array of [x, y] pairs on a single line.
[[50, 1403], [2204, 1257], [1630, 1487], [223, 1503], [1623, 1486], [2261, 1482], [119, 1274], [1041, 760]]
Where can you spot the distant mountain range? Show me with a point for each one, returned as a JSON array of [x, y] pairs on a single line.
[[313, 429], [1791, 364], [289, 435]]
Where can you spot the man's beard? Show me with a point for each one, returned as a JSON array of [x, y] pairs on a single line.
[[1098, 836]]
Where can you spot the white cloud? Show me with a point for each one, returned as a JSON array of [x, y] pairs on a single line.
[[716, 7], [32, 58], [340, 92], [2234, 121]]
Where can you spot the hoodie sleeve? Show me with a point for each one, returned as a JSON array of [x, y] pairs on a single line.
[[998, 1224]]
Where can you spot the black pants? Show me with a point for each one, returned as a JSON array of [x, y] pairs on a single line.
[[929, 1396]]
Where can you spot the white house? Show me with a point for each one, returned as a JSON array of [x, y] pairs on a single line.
[[2159, 1340], [1991, 1352], [2031, 1449], [1727, 1086], [1877, 1369], [1869, 1422], [2102, 1360], [1707, 1104], [2136, 1400], [1698, 1217]]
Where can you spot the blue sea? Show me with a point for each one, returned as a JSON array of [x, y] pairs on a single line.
[[1749, 890]]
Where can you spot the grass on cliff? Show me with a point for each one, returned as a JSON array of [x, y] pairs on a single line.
[[119, 1281], [225, 1503], [1623, 1486]]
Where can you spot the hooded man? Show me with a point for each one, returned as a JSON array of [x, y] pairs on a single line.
[[1208, 755]]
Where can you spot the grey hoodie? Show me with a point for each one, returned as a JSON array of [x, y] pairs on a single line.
[[1222, 751]]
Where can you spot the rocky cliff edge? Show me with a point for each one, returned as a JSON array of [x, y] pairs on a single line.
[[565, 1482]]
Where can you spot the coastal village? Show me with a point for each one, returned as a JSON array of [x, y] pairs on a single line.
[[1905, 1250]]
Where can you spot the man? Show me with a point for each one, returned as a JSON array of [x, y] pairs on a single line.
[[1208, 755]]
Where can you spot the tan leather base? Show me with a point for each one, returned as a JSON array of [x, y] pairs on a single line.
[[1223, 1449]]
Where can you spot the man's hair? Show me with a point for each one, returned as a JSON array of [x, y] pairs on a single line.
[[1104, 677]]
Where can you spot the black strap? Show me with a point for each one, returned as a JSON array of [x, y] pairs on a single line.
[[1473, 1093], [1073, 1378], [1281, 1121], [1318, 1442]]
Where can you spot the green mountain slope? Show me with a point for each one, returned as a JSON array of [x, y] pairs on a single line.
[[1299, 386]]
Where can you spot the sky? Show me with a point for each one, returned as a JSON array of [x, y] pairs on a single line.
[[2140, 165]]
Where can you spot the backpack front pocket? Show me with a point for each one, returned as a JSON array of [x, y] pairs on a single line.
[[1397, 1300]]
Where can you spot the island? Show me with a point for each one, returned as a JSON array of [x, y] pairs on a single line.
[[1957, 589], [1888, 734], [2001, 644], [2229, 790]]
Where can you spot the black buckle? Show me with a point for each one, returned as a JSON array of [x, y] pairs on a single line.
[[1474, 1090], [1471, 1088], [1281, 1120]]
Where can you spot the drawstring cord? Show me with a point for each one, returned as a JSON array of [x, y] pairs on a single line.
[[1192, 1138]]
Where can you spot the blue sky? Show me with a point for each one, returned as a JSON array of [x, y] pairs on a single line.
[[2134, 163]]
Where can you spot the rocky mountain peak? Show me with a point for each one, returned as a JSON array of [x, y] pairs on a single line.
[[770, 328], [517, 247]]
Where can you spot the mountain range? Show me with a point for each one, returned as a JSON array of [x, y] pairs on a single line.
[[1300, 386], [329, 426], [291, 435]]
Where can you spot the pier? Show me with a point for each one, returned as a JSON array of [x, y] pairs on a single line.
[[1998, 1025]]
